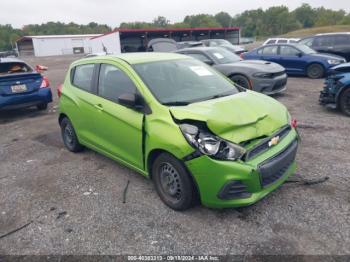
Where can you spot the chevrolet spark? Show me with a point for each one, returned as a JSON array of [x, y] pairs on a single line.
[[182, 124]]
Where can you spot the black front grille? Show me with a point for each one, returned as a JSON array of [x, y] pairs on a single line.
[[264, 145], [278, 74], [279, 85], [274, 168]]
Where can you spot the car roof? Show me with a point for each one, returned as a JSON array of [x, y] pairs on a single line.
[[11, 60], [335, 33], [137, 58]]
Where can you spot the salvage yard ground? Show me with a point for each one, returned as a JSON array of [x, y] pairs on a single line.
[[73, 203]]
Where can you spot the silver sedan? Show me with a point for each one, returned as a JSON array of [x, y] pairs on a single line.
[[261, 76]]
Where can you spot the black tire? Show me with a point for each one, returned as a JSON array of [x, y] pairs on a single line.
[[41, 107], [173, 183], [69, 136], [241, 81], [344, 101], [315, 71]]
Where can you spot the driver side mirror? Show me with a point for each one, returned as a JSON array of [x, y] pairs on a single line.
[[131, 101], [300, 54], [209, 62]]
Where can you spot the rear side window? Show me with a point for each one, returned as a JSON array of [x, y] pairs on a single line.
[[283, 41], [288, 51], [14, 68], [83, 75], [269, 50], [113, 82], [342, 40], [199, 57]]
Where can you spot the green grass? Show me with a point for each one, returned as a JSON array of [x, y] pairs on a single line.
[[318, 30]]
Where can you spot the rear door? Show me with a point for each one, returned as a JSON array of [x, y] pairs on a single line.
[[81, 105], [118, 129], [290, 59]]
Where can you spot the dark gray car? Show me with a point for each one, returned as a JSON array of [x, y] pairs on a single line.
[[261, 76]]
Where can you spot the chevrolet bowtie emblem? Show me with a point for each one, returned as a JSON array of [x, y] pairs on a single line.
[[274, 141]]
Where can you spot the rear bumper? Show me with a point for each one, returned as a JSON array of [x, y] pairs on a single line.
[[270, 86], [42, 96]]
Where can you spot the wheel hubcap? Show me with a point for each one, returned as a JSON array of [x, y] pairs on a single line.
[[170, 181], [68, 134]]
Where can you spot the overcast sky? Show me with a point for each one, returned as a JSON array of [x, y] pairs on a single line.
[[113, 12]]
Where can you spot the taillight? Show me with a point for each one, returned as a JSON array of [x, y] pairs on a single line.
[[59, 90], [294, 123], [45, 82], [241, 55]]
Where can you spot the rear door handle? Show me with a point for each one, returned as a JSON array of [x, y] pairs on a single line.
[[99, 107]]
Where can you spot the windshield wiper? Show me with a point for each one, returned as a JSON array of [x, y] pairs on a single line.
[[176, 103], [222, 95]]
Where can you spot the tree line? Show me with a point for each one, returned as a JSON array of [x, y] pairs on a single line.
[[273, 21]]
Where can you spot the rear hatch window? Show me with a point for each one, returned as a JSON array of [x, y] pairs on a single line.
[[14, 68]]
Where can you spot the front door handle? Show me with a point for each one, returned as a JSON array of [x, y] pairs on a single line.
[[99, 107]]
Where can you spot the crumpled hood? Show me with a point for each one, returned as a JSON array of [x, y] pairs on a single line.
[[237, 118]]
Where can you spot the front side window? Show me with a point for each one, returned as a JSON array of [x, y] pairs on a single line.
[[288, 51], [183, 81], [282, 41], [270, 50], [271, 42], [83, 75], [113, 83]]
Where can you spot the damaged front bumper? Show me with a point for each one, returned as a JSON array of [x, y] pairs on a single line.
[[224, 184]]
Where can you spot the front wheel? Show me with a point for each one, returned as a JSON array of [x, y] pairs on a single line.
[[315, 71], [173, 183], [241, 81], [69, 136], [344, 102]]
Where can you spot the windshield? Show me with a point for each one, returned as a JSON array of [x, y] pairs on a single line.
[[223, 56], [180, 82], [305, 49]]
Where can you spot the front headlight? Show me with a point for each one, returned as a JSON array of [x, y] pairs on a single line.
[[262, 75], [211, 145], [333, 62]]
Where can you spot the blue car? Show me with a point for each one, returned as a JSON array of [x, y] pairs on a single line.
[[22, 86], [297, 59], [336, 91]]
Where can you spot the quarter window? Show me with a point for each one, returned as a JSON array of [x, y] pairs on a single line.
[[113, 82], [83, 77]]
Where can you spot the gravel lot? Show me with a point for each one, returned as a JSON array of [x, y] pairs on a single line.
[[75, 201]]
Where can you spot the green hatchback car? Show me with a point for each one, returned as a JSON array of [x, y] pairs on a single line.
[[179, 122]]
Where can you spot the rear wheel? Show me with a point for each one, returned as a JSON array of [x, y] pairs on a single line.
[[241, 81], [315, 71], [69, 136], [42, 107], [344, 102], [173, 183]]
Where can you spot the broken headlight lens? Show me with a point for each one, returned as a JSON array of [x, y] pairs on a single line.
[[211, 145]]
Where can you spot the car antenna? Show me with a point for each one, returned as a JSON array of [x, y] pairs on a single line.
[[104, 49]]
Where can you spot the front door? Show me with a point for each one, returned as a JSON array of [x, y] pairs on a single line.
[[118, 128]]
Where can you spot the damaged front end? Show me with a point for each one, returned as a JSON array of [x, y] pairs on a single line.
[[335, 82]]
